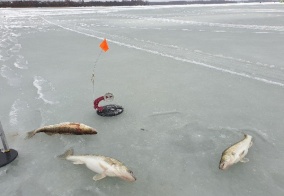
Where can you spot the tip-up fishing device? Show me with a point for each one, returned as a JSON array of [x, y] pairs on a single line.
[[6, 155], [107, 110]]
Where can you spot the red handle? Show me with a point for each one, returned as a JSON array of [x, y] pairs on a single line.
[[96, 103]]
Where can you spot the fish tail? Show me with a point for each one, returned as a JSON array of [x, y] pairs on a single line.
[[30, 134], [66, 154]]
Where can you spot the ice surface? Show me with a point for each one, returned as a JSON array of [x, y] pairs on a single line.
[[191, 79]]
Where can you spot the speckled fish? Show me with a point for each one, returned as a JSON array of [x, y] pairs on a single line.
[[236, 153], [64, 128], [103, 166]]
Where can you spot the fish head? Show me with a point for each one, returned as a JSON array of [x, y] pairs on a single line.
[[126, 174], [94, 130], [87, 128], [225, 162]]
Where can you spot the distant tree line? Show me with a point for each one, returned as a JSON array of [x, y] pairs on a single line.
[[68, 3], [208, 2]]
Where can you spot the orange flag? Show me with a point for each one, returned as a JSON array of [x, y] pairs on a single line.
[[104, 45]]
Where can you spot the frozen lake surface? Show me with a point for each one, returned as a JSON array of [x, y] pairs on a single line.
[[192, 80]]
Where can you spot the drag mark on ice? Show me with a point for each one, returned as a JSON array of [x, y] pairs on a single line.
[[164, 113], [175, 58], [208, 24]]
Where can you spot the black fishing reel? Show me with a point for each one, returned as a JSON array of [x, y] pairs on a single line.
[[107, 110], [110, 110]]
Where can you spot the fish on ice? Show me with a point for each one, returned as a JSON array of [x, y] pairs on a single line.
[[64, 128], [236, 153], [103, 166]]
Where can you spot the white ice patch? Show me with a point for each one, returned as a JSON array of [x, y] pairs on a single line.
[[15, 34], [16, 108], [23, 116], [12, 77], [13, 39], [45, 90], [16, 48], [21, 62], [4, 43]]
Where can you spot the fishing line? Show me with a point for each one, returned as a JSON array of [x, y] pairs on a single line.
[[93, 74]]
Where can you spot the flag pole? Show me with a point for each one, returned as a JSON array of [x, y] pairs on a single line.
[[7, 155], [104, 47], [93, 74]]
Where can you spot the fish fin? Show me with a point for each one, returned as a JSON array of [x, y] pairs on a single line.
[[244, 160], [233, 153], [30, 134], [48, 133], [99, 176], [242, 153], [66, 154], [250, 144]]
